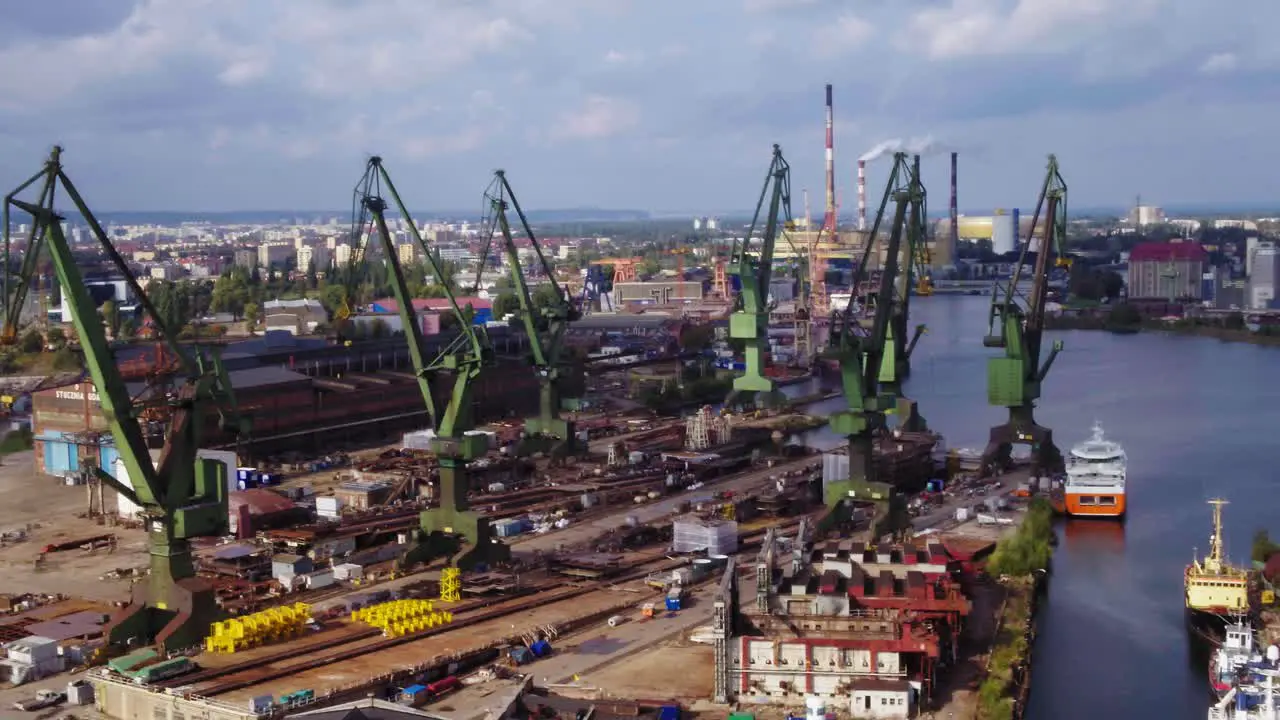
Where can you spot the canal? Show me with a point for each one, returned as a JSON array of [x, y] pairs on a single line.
[[1197, 422]]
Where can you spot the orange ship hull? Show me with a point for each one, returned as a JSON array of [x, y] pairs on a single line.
[[1101, 505]]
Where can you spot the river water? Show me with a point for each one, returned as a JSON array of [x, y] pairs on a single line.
[[1197, 422]]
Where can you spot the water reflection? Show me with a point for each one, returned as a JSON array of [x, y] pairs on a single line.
[[1089, 536]]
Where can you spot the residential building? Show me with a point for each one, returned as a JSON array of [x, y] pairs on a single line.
[[1262, 280], [313, 254], [276, 254], [247, 259], [406, 253], [1170, 271]]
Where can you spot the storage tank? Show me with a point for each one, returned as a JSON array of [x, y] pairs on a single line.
[[719, 561]]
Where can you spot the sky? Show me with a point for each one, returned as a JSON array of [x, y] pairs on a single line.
[[670, 106]]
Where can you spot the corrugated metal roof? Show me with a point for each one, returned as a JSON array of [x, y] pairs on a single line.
[[260, 502]]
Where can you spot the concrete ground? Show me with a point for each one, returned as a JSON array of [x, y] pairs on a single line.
[[49, 509], [617, 659]]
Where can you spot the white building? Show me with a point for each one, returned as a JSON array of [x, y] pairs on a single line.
[[1004, 232], [1265, 267]]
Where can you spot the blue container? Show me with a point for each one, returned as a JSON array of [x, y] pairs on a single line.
[[673, 603], [521, 656], [265, 479], [541, 648], [669, 712]]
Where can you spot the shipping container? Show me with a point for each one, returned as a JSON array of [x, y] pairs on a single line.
[[540, 648], [521, 655], [441, 687]]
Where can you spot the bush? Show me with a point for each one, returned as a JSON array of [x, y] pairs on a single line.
[[1028, 549]]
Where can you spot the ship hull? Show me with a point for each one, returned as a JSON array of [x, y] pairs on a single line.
[[1095, 504]]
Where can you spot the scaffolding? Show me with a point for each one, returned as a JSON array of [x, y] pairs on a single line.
[[705, 428], [257, 629], [450, 584], [402, 617], [694, 534]]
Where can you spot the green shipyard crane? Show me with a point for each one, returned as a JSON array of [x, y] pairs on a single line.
[[749, 321], [902, 337], [866, 356], [1016, 325], [464, 357], [561, 383], [15, 293], [181, 496]]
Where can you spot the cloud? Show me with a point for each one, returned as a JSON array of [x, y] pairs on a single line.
[[967, 28], [842, 36], [1219, 63], [277, 103], [598, 117]]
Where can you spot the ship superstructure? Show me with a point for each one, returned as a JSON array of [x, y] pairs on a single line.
[[1213, 586], [1232, 660], [1094, 485]]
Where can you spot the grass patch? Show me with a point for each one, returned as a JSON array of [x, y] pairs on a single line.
[[17, 441]]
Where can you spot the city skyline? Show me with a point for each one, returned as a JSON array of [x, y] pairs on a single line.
[[200, 107]]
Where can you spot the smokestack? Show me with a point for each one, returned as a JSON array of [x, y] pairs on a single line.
[[829, 220], [955, 213], [862, 194]]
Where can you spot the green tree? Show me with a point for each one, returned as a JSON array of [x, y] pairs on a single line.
[[505, 303], [251, 314], [111, 316], [1263, 547], [1234, 321], [696, 338], [312, 277], [32, 342], [65, 359], [57, 338], [128, 329], [1124, 315]]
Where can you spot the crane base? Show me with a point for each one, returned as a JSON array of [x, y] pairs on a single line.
[[444, 528], [1046, 458], [180, 621]]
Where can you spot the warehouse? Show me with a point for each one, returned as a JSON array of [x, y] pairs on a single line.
[[333, 394], [71, 432]]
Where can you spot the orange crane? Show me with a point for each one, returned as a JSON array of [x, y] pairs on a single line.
[[624, 269]]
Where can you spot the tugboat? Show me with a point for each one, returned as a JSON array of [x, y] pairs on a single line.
[[1214, 588], [1236, 657]]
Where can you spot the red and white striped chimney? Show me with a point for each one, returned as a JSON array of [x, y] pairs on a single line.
[[862, 194], [829, 219]]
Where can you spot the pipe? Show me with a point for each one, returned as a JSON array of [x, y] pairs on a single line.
[[862, 194]]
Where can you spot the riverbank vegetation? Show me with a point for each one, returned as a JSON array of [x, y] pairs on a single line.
[[1027, 549], [1125, 318], [1017, 561]]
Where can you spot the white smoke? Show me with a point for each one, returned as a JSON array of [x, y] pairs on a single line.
[[915, 146]]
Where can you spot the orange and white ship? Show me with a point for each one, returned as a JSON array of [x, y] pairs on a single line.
[[1094, 485]]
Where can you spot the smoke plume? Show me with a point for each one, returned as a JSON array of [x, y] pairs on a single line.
[[915, 146]]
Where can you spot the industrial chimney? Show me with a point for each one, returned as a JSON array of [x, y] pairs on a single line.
[[862, 194], [829, 220], [954, 240]]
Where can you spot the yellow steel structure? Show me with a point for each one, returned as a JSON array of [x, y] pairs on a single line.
[[260, 628], [402, 617], [450, 584]]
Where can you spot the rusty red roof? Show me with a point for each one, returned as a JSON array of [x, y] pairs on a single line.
[[1168, 252]]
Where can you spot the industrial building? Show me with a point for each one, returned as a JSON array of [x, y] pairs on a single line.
[[861, 626], [656, 293], [332, 393], [1169, 271]]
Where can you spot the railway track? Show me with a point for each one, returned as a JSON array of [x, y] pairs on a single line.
[[266, 668], [347, 646]]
